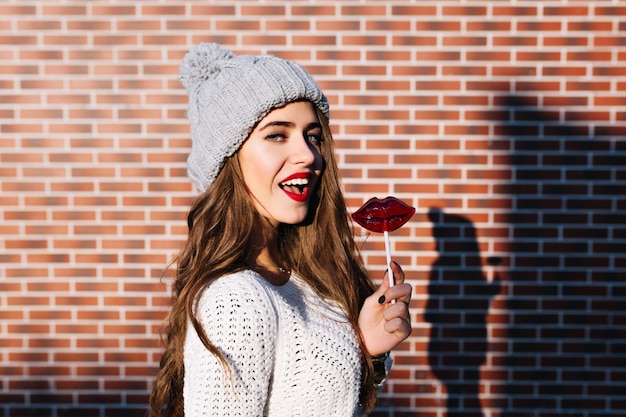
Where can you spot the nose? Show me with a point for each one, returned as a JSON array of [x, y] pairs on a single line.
[[304, 153]]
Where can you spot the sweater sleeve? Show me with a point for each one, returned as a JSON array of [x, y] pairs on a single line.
[[240, 320]]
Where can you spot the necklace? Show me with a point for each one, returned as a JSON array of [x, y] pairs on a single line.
[[272, 267]]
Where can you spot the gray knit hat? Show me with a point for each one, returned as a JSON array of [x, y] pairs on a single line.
[[229, 95]]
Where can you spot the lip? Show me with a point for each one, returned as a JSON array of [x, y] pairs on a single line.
[[383, 215], [300, 198]]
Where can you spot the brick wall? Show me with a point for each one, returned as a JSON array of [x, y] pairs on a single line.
[[503, 122]]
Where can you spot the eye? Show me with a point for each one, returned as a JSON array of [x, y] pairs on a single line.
[[314, 137], [276, 137]]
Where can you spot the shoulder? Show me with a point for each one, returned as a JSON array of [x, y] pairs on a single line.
[[239, 287], [237, 316], [241, 298]]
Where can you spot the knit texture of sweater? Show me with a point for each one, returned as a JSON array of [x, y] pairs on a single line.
[[291, 353]]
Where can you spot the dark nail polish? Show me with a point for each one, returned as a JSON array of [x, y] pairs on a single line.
[[381, 300]]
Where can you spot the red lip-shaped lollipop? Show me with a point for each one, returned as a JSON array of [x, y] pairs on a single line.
[[384, 215]]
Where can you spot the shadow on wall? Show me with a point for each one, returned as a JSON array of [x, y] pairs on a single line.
[[566, 286], [459, 297], [49, 404], [567, 300]]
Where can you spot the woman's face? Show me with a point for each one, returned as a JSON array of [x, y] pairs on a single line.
[[281, 162]]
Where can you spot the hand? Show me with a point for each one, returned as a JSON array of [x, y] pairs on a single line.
[[385, 324]]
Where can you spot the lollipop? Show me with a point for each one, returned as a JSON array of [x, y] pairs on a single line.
[[384, 216]]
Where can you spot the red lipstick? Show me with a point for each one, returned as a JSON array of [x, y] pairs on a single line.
[[297, 186]]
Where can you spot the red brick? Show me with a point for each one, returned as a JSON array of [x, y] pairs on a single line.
[[540, 26], [93, 25], [567, 11], [162, 10], [437, 26]]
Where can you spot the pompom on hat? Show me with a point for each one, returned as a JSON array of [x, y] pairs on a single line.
[[229, 95]]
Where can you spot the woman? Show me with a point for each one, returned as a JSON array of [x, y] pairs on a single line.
[[273, 313]]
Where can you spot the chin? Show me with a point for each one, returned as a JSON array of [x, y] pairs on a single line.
[[294, 221], [295, 218]]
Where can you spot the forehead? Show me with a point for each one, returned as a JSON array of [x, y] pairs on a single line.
[[299, 112]]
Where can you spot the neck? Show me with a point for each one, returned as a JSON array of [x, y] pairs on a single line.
[[264, 257]]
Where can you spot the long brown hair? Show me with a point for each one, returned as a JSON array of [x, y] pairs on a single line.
[[321, 250]]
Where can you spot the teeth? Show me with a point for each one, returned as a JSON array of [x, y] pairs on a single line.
[[296, 182]]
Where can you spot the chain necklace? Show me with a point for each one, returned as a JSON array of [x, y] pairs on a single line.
[[269, 268]]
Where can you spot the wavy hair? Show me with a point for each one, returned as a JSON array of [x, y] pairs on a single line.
[[215, 248]]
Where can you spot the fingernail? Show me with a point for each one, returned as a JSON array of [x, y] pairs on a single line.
[[381, 300]]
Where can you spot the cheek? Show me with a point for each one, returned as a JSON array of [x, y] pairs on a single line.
[[320, 163], [319, 171], [258, 168]]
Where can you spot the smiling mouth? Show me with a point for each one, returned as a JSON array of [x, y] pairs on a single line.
[[296, 188]]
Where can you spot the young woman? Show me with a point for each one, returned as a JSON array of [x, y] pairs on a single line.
[[273, 313]]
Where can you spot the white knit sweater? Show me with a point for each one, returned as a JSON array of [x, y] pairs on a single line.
[[291, 353]]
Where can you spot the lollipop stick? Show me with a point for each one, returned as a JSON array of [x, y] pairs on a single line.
[[388, 250], [389, 273]]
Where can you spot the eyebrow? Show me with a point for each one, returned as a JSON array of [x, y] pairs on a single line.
[[310, 126], [275, 123]]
